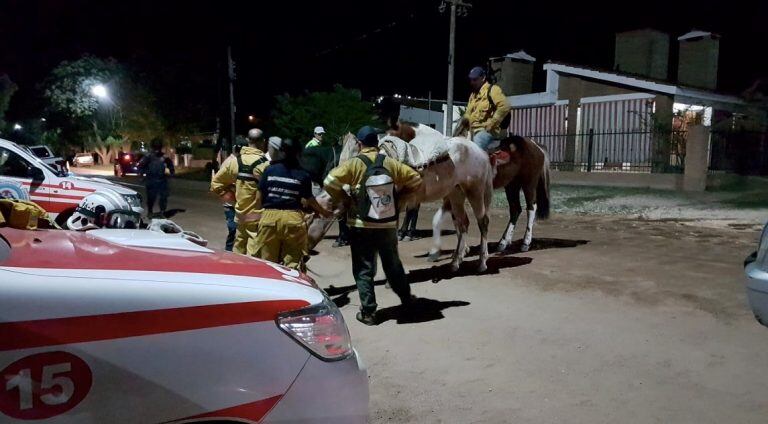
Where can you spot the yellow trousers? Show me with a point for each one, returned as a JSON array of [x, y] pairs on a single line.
[[245, 238], [282, 238]]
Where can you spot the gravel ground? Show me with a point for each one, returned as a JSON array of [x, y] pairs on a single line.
[[609, 318]]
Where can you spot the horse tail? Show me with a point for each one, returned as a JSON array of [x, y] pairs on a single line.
[[542, 191]]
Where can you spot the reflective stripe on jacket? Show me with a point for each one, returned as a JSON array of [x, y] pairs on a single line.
[[246, 187]]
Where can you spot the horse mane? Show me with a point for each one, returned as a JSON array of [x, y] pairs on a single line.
[[349, 148]]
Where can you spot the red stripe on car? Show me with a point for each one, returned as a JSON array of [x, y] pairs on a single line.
[[91, 328], [58, 186], [251, 412]]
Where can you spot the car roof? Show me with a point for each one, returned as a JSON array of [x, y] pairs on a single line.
[[77, 250]]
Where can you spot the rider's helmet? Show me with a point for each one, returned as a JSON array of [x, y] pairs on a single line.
[[103, 209]]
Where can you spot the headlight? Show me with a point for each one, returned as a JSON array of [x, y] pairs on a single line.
[[319, 328], [133, 200], [762, 250]]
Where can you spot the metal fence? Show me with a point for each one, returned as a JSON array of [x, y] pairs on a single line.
[[742, 152], [616, 151]]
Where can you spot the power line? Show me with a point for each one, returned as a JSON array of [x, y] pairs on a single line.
[[365, 36]]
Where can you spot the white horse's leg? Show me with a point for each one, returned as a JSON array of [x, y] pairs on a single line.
[[531, 215], [461, 222], [437, 221], [513, 200], [480, 200]]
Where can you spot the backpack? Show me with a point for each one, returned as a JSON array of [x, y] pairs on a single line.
[[245, 172], [506, 120], [376, 200], [155, 167]]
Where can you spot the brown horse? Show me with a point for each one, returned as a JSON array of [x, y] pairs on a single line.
[[528, 171]]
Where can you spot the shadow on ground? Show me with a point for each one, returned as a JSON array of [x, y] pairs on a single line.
[[422, 310], [514, 247], [438, 273]]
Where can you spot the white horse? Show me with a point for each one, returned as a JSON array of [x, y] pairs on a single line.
[[462, 173]]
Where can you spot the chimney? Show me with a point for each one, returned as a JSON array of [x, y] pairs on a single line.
[[642, 52], [699, 54], [513, 72]]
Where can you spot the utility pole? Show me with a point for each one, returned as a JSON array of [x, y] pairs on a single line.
[[462, 8], [231, 77]]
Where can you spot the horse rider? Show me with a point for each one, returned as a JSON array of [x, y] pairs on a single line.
[[153, 167], [284, 185], [485, 112], [317, 139], [238, 180], [376, 181]]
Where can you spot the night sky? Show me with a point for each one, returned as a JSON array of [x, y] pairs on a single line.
[[380, 47]]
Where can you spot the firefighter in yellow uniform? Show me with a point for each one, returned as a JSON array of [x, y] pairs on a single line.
[[282, 236], [376, 183], [239, 176], [485, 112]]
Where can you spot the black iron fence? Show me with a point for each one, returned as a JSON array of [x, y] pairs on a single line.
[[616, 151], [741, 152]]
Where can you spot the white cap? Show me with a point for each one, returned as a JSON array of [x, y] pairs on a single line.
[[319, 130]]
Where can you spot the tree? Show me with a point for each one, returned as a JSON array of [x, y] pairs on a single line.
[[7, 88], [125, 115], [339, 111]]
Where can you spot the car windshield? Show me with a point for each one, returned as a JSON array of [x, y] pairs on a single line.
[[41, 152], [39, 162]]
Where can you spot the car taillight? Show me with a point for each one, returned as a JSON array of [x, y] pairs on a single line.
[[320, 328]]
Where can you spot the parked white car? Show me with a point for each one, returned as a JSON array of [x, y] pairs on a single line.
[[83, 159], [24, 176], [756, 270], [109, 326], [48, 157]]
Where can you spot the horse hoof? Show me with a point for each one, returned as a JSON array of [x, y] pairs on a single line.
[[502, 246], [455, 266], [433, 257], [525, 247], [482, 268]]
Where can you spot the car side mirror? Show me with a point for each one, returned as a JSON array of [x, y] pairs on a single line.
[[37, 174]]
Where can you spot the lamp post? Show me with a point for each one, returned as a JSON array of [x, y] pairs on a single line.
[[100, 91], [462, 8]]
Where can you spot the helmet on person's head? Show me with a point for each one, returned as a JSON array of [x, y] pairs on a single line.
[[255, 134], [241, 141], [103, 209], [273, 148]]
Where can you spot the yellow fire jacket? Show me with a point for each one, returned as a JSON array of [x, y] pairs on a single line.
[[486, 109], [351, 172], [245, 187]]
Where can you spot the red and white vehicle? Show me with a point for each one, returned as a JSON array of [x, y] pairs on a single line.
[[25, 176], [104, 326]]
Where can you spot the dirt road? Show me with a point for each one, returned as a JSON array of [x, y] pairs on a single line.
[[606, 320]]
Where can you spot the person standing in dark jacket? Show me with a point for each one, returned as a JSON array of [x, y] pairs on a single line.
[[153, 167], [285, 188]]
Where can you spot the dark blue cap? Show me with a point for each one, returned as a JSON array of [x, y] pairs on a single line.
[[368, 136], [476, 72]]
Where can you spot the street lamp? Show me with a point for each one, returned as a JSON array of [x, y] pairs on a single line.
[[17, 127], [100, 91]]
